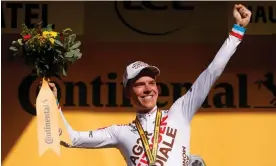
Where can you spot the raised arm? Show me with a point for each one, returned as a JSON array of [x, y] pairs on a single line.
[[189, 103], [105, 137]]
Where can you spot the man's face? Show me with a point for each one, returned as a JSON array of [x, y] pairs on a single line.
[[144, 91]]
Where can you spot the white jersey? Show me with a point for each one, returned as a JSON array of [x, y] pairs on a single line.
[[174, 143]]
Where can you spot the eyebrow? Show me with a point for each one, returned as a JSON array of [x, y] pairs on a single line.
[[152, 81]]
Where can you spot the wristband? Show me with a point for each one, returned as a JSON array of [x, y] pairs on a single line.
[[237, 31]]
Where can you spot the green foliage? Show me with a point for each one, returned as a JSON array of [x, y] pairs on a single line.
[[47, 52]]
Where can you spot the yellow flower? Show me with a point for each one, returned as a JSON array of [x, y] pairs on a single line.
[[49, 33], [52, 40], [53, 34], [45, 33]]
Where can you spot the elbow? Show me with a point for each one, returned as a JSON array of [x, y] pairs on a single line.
[[215, 69], [75, 138], [75, 142]]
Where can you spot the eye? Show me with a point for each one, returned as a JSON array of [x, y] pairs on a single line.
[[138, 84], [152, 83]]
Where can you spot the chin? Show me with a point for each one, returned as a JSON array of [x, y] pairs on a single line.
[[147, 107]]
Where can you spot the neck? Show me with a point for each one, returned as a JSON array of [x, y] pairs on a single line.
[[145, 111]]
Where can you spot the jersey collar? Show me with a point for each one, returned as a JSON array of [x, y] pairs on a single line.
[[147, 116]]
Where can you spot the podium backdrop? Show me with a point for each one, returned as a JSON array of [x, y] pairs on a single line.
[[235, 125]]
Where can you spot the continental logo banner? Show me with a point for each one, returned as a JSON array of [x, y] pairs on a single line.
[[152, 21], [238, 91], [62, 15], [263, 19]]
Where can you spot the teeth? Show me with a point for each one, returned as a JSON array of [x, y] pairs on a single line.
[[148, 97]]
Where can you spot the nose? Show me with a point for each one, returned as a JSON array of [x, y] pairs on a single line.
[[147, 89]]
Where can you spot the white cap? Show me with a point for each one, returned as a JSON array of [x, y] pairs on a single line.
[[135, 68]]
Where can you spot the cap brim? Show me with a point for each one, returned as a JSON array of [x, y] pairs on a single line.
[[152, 69]]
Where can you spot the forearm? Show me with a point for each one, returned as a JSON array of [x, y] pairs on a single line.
[[228, 48], [74, 135], [91, 139]]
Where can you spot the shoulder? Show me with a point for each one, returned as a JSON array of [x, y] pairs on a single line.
[[126, 126], [125, 129]]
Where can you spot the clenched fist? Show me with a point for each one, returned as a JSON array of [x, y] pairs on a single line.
[[242, 15]]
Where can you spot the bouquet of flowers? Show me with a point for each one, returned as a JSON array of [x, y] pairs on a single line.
[[47, 52]]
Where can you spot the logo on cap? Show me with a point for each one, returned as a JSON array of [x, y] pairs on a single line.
[[139, 64]]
